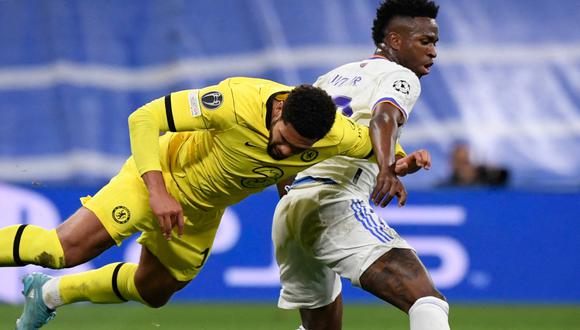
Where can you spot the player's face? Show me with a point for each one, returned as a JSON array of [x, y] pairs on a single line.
[[417, 51], [285, 141]]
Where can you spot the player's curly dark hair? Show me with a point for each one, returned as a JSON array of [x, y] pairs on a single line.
[[310, 110], [406, 8]]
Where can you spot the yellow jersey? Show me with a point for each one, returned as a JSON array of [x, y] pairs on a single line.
[[216, 152]]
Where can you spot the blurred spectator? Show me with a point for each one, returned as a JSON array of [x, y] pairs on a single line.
[[466, 173]]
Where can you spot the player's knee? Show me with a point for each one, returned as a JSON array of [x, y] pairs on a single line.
[[157, 302], [78, 250], [73, 255], [154, 281], [155, 294]]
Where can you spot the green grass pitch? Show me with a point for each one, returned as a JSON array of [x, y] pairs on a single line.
[[263, 316]]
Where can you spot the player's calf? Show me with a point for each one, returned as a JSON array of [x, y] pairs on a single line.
[[28, 244], [327, 317], [399, 277], [110, 284], [157, 290]]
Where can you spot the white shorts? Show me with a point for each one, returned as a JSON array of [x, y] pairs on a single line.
[[321, 233]]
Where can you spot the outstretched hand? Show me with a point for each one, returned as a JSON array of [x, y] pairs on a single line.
[[388, 186], [413, 162]]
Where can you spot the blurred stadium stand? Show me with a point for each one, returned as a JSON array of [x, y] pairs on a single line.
[[507, 78]]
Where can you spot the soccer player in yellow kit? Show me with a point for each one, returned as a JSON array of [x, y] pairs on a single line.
[[223, 143]]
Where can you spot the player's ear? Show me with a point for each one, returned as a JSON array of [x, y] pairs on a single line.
[[277, 108], [393, 40]]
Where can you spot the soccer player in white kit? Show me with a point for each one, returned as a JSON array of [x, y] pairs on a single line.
[[324, 227]]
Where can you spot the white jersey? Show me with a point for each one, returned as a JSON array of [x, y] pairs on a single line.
[[356, 89]]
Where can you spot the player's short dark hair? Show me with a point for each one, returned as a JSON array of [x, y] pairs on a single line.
[[404, 8], [310, 110]]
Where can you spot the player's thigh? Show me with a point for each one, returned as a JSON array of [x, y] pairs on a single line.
[[400, 278], [306, 282], [115, 212], [83, 237], [122, 205]]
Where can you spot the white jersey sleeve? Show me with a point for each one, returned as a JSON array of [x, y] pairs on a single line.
[[400, 88]]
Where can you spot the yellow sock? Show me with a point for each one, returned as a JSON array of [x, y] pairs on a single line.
[[27, 244], [113, 283]]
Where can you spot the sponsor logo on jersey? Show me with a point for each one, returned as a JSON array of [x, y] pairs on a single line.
[[194, 104], [309, 155], [212, 100], [121, 214], [402, 86], [270, 175]]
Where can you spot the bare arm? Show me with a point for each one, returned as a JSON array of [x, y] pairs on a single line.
[[384, 124], [144, 127], [281, 185]]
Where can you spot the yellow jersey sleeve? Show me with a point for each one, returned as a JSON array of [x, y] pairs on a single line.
[[356, 140], [399, 151], [188, 110]]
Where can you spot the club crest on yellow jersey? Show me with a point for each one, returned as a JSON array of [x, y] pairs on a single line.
[[212, 100], [309, 155]]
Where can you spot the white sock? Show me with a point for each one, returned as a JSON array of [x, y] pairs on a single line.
[[429, 313], [301, 327], [51, 293]]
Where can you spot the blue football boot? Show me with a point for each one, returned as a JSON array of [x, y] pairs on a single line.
[[35, 313]]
